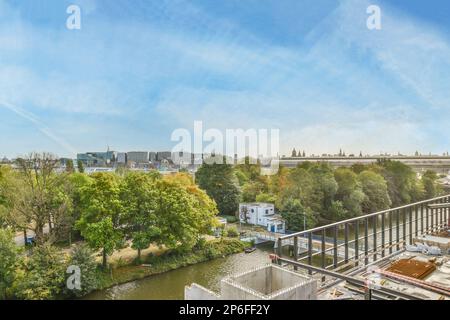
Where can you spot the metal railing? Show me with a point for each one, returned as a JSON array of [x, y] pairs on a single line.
[[360, 241]]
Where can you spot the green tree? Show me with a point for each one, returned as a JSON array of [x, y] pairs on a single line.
[[324, 187], [358, 168], [402, 183], [349, 191], [297, 216], [80, 166], [429, 182], [337, 211], [241, 178], [353, 203], [83, 257], [220, 183], [375, 190], [43, 274], [347, 182], [251, 190], [6, 180], [77, 184], [204, 210], [9, 256], [266, 198], [278, 181], [103, 235], [184, 214], [69, 166], [139, 203], [250, 168], [101, 218], [299, 185], [232, 232], [37, 196]]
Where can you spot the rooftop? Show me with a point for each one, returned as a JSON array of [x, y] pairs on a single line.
[[416, 274]]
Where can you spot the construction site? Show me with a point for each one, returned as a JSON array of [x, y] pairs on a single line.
[[397, 254]]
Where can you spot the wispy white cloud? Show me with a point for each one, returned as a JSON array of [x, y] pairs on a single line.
[[350, 87], [155, 64], [40, 126], [406, 51]]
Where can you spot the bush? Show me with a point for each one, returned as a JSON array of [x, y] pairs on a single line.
[[201, 243], [232, 232], [231, 219], [82, 257], [43, 274], [211, 252], [9, 258]]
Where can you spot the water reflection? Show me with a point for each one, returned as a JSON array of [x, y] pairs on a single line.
[[170, 285]]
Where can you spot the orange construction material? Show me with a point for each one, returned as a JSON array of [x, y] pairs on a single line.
[[412, 268]]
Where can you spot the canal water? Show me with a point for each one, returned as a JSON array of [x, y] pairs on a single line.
[[170, 285]]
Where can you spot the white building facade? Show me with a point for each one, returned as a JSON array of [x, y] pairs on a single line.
[[262, 214]]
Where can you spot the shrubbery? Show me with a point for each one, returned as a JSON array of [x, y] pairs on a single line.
[[232, 232], [42, 275], [230, 219], [9, 257], [316, 193], [83, 257]]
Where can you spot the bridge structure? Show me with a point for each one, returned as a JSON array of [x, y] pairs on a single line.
[[337, 251], [301, 245]]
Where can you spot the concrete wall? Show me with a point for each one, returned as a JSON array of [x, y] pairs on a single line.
[[265, 283], [283, 279], [260, 281], [305, 291], [233, 291], [197, 292], [270, 282]]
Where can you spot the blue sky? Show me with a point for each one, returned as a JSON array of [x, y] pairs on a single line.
[[137, 70]]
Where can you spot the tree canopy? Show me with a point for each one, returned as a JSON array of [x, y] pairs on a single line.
[[220, 183]]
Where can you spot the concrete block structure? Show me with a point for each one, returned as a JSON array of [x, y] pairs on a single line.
[[197, 292], [269, 282]]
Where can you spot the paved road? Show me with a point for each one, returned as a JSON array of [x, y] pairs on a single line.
[[19, 240]]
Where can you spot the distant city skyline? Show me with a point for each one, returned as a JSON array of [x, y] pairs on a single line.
[[137, 71], [307, 154]]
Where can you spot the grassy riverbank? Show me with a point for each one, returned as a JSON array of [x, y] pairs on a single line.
[[170, 260]]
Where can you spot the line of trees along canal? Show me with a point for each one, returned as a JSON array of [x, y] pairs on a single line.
[[109, 210], [316, 192], [106, 210]]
